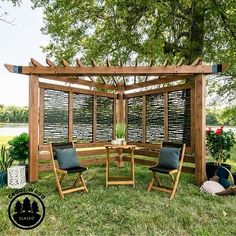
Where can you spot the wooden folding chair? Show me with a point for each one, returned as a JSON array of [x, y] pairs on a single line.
[[60, 173], [170, 162]]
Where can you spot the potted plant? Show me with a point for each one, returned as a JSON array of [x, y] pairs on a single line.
[[19, 148], [5, 162], [120, 132], [219, 144]]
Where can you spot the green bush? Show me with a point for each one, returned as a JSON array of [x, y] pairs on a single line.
[[19, 148], [220, 143], [5, 159]]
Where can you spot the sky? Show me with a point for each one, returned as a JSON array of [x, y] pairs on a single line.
[[18, 43]]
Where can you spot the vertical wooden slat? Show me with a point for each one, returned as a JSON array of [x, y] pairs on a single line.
[[200, 127], [70, 117], [126, 117], [120, 114], [41, 117], [144, 120], [114, 119], [33, 127], [193, 119], [94, 118], [166, 124]]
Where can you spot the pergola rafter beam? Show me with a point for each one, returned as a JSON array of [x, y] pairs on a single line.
[[50, 63], [157, 81], [112, 71], [151, 64], [35, 63], [94, 64], [78, 81], [121, 64], [113, 78]]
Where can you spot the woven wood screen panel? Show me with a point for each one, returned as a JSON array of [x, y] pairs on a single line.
[[155, 118], [55, 116], [82, 118], [105, 111], [179, 116], [135, 119]]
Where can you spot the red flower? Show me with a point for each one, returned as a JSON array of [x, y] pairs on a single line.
[[219, 131]]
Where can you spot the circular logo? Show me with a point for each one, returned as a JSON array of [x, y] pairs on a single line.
[[26, 211]]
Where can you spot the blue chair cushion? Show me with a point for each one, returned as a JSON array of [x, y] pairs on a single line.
[[224, 182], [169, 157], [67, 158]]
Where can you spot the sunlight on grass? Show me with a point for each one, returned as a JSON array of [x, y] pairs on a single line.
[[5, 139]]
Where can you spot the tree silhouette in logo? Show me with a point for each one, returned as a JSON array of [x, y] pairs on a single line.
[[26, 213]]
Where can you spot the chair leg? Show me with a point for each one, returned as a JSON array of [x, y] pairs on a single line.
[[76, 181], [59, 187], [82, 180], [150, 185], [175, 186]]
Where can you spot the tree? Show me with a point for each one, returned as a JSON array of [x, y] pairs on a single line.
[[4, 14], [149, 30]]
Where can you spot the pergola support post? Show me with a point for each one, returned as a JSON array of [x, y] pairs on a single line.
[[33, 127], [200, 129]]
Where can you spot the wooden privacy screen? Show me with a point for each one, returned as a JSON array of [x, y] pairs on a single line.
[[82, 118], [55, 116], [170, 111], [92, 117]]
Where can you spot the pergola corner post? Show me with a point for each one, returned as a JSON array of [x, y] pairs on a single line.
[[33, 127], [200, 129]]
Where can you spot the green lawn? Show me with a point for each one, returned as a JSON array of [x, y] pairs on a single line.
[[124, 210]]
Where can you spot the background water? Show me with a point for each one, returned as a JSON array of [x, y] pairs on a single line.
[[13, 129], [16, 129]]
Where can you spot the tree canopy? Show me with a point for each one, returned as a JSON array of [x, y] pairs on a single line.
[[147, 30]]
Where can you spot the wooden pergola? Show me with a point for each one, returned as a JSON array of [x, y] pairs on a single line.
[[82, 104]]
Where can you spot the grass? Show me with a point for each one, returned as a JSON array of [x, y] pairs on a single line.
[[124, 210], [5, 139]]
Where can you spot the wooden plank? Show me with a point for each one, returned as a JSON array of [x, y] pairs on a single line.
[[197, 61], [34, 62], [41, 117], [70, 117], [50, 63], [79, 63], [144, 120], [181, 61], [75, 90], [159, 90], [200, 129], [33, 127], [157, 81], [166, 118], [114, 119], [76, 80], [94, 118], [111, 71], [78, 145], [65, 63]]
